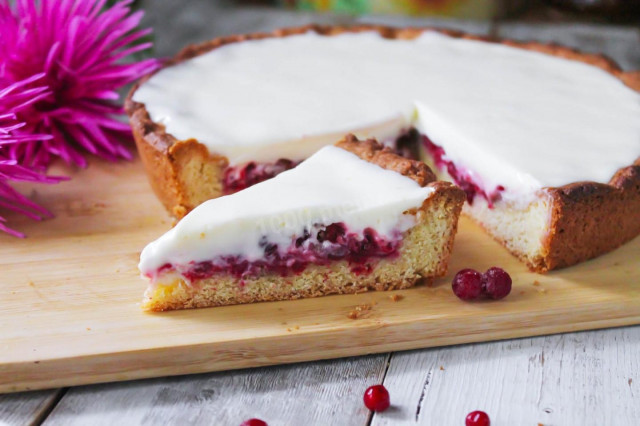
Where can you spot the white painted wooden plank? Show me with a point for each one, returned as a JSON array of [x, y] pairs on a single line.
[[26, 408], [622, 44], [588, 378], [321, 393]]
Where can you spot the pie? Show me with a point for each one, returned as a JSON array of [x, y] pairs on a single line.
[[544, 140], [352, 217]]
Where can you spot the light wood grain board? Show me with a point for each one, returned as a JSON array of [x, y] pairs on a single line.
[[70, 311]]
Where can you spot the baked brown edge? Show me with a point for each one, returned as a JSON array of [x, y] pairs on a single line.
[[587, 219], [374, 152]]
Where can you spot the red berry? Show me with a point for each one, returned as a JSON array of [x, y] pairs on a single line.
[[376, 398], [467, 284], [254, 422], [496, 283], [477, 418]]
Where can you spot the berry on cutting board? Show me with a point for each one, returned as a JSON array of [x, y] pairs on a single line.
[[496, 283], [469, 284]]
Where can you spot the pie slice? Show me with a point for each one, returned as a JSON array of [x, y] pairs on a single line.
[[544, 140], [351, 218]]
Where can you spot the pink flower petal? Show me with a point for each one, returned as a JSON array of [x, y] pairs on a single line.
[[77, 46]]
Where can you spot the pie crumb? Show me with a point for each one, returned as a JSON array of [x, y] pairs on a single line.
[[359, 311]]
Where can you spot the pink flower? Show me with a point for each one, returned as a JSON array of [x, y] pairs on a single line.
[[61, 65], [14, 99], [80, 47]]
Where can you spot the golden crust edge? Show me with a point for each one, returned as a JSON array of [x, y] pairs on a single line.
[[372, 151]]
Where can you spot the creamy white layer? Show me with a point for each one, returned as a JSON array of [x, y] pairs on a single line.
[[516, 118], [331, 186]]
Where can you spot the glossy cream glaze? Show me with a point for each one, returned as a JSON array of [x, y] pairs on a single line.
[[512, 117], [331, 186]]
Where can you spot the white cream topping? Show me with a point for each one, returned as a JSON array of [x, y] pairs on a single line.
[[331, 186], [513, 117]]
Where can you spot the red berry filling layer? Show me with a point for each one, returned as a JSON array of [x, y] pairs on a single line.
[[461, 177], [320, 246], [237, 178]]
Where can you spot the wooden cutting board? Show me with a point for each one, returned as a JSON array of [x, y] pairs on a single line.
[[69, 312]]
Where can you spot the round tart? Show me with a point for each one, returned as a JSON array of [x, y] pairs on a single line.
[[544, 140]]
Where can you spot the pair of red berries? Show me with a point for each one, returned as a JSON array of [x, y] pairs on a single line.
[[469, 284], [475, 418], [376, 398]]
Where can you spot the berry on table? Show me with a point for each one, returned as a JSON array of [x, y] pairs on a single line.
[[467, 284], [477, 418], [254, 422], [376, 398]]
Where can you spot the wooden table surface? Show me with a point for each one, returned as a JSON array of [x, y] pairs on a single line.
[[586, 378]]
